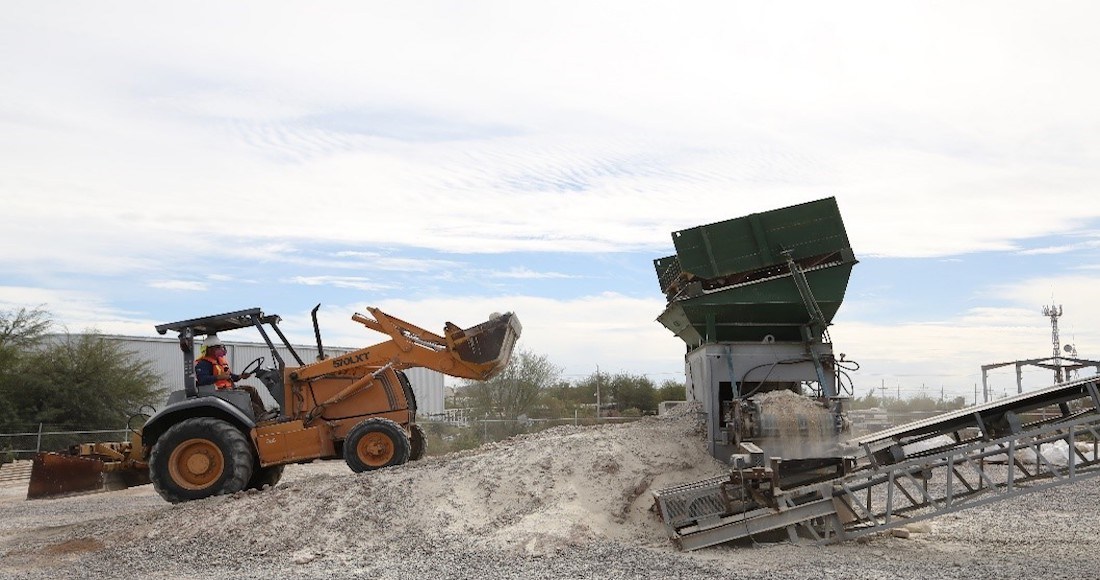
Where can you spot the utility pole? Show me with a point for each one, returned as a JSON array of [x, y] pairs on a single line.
[[882, 389]]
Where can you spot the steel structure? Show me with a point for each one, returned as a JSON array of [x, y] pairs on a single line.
[[883, 486], [1070, 364], [1064, 367]]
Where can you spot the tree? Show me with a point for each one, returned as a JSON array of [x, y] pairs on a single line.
[[516, 390], [633, 392], [21, 332], [868, 401], [624, 390], [70, 381], [671, 390]]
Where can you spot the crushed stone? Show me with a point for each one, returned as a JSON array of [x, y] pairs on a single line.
[[570, 502]]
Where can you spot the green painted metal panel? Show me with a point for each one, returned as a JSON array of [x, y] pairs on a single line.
[[758, 240], [736, 273]]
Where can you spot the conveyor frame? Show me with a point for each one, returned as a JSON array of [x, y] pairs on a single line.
[[889, 490]]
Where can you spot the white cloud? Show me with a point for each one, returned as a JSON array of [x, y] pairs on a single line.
[[75, 310], [1076, 294], [631, 139], [187, 285], [522, 273], [1062, 249], [1049, 250], [339, 282]]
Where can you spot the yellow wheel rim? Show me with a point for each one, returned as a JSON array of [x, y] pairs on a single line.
[[375, 449], [196, 464]]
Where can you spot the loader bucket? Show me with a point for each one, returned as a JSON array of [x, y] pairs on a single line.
[[487, 347]]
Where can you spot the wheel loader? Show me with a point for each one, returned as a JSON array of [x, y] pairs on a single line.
[[358, 406]]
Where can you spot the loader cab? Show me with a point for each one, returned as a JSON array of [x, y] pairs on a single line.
[[193, 395]]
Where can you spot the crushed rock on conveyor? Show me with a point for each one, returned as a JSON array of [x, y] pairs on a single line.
[[536, 493]]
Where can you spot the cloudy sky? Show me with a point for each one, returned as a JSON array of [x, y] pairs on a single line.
[[443, 160]]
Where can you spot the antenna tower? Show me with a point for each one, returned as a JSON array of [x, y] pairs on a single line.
[[1053, 312]]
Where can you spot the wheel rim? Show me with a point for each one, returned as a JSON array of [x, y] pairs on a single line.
[[196, 464], [375, 449]]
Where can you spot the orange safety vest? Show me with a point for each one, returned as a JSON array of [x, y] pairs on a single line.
[[220, 366]]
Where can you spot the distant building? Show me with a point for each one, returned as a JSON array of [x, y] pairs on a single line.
[[167, 360]]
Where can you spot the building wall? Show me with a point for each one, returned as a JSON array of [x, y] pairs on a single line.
[[167, 360]]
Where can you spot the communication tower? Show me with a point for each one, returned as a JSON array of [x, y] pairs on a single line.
[[1053, 312]]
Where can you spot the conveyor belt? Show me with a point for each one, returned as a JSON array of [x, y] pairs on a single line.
[[988, 420], [887, 488]]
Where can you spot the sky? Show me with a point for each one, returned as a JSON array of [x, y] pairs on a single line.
[[446, 160]]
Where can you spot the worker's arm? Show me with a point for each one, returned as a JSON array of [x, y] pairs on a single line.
[[204, 373]]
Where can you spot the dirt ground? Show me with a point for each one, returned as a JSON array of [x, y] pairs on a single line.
[[572, 502]]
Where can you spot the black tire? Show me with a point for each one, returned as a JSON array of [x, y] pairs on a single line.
[[262, 476], [374, 444], [200, 457], [418, 443]]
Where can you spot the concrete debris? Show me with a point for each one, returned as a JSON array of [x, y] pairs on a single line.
[[922, 527]]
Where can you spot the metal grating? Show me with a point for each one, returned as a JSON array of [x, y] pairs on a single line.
[[688, 504]]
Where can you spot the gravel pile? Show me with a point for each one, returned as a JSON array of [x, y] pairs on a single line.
[[566, 503]]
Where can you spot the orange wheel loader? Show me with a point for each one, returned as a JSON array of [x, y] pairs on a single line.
[[358, 406]]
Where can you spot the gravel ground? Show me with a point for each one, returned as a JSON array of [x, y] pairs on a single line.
[[567, 503]]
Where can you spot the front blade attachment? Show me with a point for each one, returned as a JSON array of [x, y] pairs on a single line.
[[89, 468], [54, 474]]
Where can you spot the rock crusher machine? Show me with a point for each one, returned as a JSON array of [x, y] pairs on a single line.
[[358, 406], [752, 298]]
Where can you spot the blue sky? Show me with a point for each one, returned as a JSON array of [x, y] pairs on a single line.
[[443, 161]]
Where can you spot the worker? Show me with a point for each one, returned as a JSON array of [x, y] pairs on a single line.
[[211, 368]]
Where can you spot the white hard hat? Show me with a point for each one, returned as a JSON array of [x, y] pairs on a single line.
[[211, 340]]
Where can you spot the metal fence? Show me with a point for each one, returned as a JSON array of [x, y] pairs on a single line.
[[25, 445]]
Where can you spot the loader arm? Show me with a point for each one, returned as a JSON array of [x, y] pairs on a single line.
[[478, 353]]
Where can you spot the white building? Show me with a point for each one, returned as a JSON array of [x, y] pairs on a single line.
[[167, 360]]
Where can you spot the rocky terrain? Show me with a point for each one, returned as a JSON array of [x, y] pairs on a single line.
[[571, 502]]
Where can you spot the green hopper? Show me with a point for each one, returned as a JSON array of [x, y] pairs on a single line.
[[734, 280]]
